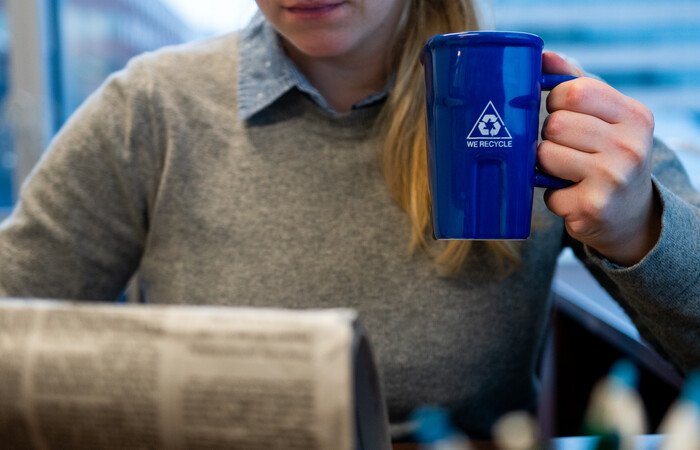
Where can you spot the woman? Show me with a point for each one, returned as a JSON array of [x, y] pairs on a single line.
[[243, 170]]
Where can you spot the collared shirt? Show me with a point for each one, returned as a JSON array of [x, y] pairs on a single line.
[[265, 72]]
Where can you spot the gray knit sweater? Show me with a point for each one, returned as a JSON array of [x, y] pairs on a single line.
[[156, 173]]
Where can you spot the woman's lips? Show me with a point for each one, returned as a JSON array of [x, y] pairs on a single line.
[[313, 10]]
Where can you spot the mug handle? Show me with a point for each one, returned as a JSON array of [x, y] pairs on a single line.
[[542, 179]]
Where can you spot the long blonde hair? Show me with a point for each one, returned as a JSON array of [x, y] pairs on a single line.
[[402, 126]]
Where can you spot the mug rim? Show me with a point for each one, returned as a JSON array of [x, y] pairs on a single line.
[[510, 38]]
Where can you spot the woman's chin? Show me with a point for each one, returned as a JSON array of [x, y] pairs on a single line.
[[320, 47]]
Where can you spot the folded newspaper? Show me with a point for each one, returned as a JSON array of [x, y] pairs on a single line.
[[107, 376]]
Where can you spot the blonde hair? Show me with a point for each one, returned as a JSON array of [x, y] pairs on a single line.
[[402, 126]]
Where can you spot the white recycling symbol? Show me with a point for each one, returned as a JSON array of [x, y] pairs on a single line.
[[489, 125], [489, 120]]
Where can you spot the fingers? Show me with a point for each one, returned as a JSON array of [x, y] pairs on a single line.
[[562, 161], [601, 140], [603, 170], [555, 64], [576, 130], [585, 211], [588, 116], [595, 98]]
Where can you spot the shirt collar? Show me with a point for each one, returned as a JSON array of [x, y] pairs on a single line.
[[265, 73]]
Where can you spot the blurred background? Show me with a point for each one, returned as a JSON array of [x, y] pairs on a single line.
[[54, 53]]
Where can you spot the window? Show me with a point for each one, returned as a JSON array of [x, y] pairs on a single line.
[[69, 47], [98, 37], [646, 49], [7, 156]]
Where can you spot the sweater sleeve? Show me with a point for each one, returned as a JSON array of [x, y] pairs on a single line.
[[661, 293], [79, 227]]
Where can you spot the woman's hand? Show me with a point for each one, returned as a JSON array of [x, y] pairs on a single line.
[[601, 140]]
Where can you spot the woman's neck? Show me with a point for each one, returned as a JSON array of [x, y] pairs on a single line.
[[343, 80]]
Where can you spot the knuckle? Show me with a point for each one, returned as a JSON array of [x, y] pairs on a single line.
[[595, 208], [578, 92], [554, 100], [647, 117], [636, 156], [578, 228], [632, 150], [544, 148], [555, 125], [642, 115], [582, 227], [615, 177]]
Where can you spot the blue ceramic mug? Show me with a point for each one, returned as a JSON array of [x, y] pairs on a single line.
[[483, 96]]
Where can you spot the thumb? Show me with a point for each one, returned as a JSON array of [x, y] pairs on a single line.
[[555, 64]]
